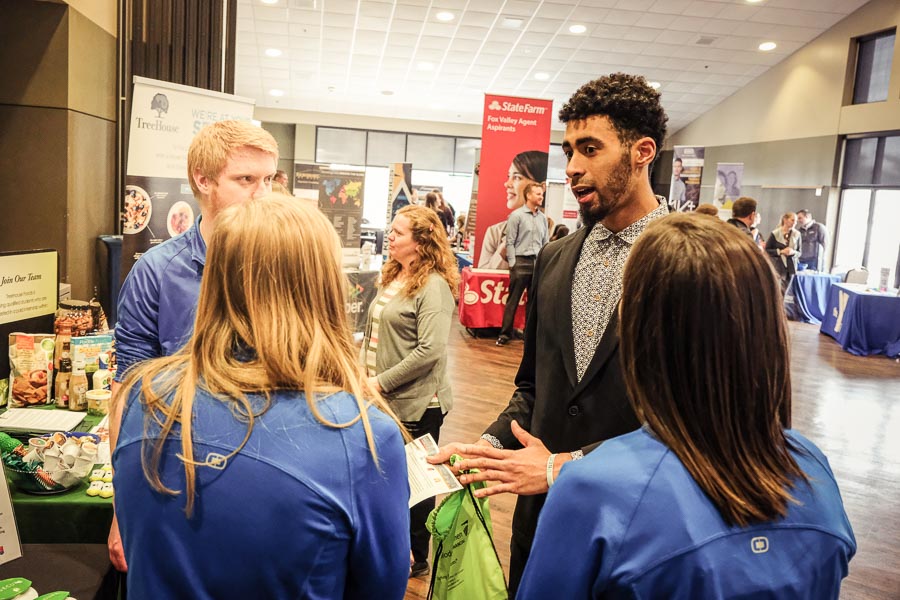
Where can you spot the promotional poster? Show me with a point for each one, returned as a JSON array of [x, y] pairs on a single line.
[[687, 170], [341, 200], [515, 139], [158, 203], [306, 181], [399, 191], [729, 178]]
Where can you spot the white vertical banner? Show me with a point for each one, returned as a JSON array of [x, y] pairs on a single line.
[[158, 202]]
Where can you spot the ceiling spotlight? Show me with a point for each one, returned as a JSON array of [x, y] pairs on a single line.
[[577, 28], [424, 65], [445, 16], [270, 1], [387, 92], [655, 85], [511, 22], [766, 46], [273, 52], [276, 93], [541, 76]]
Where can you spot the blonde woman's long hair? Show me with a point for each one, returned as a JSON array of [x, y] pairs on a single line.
[[432, 256], [271, 316]]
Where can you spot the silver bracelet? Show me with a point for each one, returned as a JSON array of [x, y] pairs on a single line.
[[577, 454], [550, 460]]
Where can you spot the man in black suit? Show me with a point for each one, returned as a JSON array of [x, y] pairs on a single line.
[[570, 395]]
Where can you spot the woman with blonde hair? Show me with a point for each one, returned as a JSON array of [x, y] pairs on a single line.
[[406, 337], [714, 497], [783, 246], [258, 461]]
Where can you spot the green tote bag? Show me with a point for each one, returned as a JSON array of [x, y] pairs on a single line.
[[465, 563]]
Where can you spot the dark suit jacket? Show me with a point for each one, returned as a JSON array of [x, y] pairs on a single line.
[[548, 402]]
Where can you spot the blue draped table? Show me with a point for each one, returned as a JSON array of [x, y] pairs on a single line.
[[807, 296], [863, 322], [463, 260]]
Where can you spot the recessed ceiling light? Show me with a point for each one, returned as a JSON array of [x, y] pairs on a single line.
[[276, 93], [655, 85], [387, 92], [541, 76], [754, 1], [766, 46], [270, 1], [436, 107], [511, 22], [424, 65], [273, 52], [444, 16], [577, 28]]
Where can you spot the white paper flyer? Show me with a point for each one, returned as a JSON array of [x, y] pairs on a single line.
[[427, 480]]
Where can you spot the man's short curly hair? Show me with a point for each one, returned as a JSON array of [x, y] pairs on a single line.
[[628, 101]]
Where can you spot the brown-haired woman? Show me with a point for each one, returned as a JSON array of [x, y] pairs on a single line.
[[406, 338], [714, 497], [783, 247], [258, 461]]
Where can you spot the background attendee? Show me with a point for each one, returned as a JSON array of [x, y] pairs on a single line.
[[783, 246], [433, 202], [708, 209], [569, 391], [527, 231], [560, 231], [406, 336], [259, 462], [448, 210], [743, 214], [281, 178], [527, 167], [714, 497], [229, 162], [813, 237]]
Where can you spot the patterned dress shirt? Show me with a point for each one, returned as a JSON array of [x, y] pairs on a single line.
[[597, 283]]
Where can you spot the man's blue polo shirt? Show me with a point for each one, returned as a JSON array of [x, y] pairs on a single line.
[[158, 300]]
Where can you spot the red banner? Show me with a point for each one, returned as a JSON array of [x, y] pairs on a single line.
[[483, 300], [515, 135]]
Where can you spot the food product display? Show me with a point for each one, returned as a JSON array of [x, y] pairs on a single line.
[[19, 588], [48, 465], [31, 369]]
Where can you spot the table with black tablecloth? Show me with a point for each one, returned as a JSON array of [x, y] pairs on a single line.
[[807, 296], [863, 321]]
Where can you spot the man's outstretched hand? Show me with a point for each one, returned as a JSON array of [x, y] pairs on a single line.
[[522, 472]]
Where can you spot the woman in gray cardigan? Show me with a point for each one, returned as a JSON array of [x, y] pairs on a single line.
[[406, 337]]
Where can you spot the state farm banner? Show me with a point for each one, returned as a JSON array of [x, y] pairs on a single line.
[[483, 299], [158, 203], [515, 139], [729, 179], [687, 170]]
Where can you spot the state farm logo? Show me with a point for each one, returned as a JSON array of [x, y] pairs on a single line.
[[517, 107], [490, 292]]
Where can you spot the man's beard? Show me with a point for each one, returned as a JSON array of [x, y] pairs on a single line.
[[615, 188]]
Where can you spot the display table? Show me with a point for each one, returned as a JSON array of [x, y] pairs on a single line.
[[482, 299], [463, 260], [807, 296], [863, 322]]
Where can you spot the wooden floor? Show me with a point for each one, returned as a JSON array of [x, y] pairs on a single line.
[[848, 405]]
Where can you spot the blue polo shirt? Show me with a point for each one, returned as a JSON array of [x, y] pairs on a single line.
[[645, 529], [158, 300]]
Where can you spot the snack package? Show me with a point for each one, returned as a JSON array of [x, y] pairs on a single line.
[[30, 369], [88, 349]]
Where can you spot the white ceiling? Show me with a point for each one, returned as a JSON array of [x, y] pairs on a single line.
[[340, 56]]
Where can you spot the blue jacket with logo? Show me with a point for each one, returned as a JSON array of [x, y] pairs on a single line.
[[629, 521]]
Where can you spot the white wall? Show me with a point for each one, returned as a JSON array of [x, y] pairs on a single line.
[[803, 96]]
